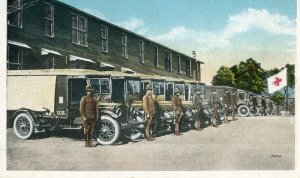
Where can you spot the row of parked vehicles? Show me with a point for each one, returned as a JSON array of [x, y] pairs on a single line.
[[49, 99]]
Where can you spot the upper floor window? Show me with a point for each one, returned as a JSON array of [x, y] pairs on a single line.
[[178, 64], [188, 68], [156, 56], [14, 58], [14, 13], [141, 52], [168, 61], [124, 46], [104, 38], [79, 30], [49, 20]]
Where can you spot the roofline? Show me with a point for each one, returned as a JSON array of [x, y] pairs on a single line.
[[71, 7]]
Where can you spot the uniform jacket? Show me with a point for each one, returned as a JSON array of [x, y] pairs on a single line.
[[176, 102], [213, 99], [263, 103], [254, 101], [234, 99], [89, 107], [227, 99], [197, 101], [148, 104]]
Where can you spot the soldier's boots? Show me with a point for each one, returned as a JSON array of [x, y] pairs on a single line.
[[91, 142], [87, 144]]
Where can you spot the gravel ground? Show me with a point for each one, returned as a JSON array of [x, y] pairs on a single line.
[[260, 143]]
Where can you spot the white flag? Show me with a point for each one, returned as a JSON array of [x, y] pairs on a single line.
[[277, 81]]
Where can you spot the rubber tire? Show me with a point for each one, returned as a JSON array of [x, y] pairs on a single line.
[[29, 120], [106, 118], [257, 112], [240, 110]]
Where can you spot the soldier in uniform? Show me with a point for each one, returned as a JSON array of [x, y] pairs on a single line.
[[214, 103], [255, 104], [177, 106], [149, 108], [264, 105], [89, 114], [234, 100], [197, 104], [226, 105]]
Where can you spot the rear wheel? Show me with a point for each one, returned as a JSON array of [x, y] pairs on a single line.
[[243, 110], [23, 126], [108, 131]]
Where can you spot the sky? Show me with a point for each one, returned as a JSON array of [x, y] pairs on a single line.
[[222, 32]]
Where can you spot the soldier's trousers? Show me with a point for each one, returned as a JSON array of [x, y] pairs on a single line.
[[198, 118], [89, 127], [226, 111], [214, 113], [264, 111], [233, 111], [177, 121], [150, 122]]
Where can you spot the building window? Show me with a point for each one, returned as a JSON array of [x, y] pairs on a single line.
[[14, 13], [188, 68], [101, 86], [178, 64], [124, 46], [79, 30], [49, 20], [15, 58], [168, 61], [141, 52], [104, 38], [156, 56]]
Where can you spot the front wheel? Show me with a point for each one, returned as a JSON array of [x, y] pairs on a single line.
[[23, 126], [243, 110], [108, 130]]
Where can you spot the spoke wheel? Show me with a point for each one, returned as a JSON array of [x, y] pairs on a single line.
[[23, 126], [108, 131], [243, 110]]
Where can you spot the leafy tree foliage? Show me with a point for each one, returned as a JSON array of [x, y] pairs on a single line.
[[224, 76], [249, 76], [278, 98]]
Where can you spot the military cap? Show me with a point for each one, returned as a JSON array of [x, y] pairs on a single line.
[[89, 87], [177, 90], [198, 88], [148, 87]]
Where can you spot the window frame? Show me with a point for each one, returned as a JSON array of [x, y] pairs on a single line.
[[179, 64], [20, 58], [171, 67], [141, 52], [124, 46], [50, 20], [156, 64], [20, 12], [85, 31], [104, 39]]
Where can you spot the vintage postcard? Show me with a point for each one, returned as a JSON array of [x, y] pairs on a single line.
[[137, 88]]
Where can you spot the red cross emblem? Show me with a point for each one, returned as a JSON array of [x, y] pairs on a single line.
[[277, 81]]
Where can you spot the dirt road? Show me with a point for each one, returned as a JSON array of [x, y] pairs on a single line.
[[263, 143]]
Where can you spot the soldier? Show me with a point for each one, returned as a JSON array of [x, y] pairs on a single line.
[[264, 105], [255, 104], [149, 108], [197, 104], [234, 100], [89, 114], [214, 103], [270, 104], [177, 106], [226, 105]]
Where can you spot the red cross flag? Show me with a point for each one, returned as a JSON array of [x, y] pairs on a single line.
[[277, 81]]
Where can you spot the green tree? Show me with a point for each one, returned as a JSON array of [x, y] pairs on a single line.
[[278, 99], [249, 76], [224, 76]]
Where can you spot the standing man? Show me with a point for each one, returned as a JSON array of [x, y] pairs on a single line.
[[214, 103], [234, 100], [89, 114], [270, 106], [226, 105], [149, 108], [264, 105], [197, 104], [255, 104], [177, 106]]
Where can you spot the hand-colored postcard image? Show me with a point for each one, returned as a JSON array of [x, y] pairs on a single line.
[[150, 85]]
